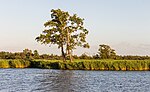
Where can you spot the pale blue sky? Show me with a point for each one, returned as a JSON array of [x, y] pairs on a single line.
[[122, 24]]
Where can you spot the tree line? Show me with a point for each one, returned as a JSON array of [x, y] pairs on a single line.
[[28, 54], [104, 52]]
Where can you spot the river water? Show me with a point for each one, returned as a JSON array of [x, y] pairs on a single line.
[[47, 80]]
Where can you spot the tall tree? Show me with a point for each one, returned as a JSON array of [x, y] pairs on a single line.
[[106, 52], [64, 30]]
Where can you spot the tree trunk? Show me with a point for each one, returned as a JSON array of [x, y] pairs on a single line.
[[63, 54], [68, 50], [70, 56]]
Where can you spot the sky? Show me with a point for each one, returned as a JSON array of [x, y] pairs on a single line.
[[122, 24]]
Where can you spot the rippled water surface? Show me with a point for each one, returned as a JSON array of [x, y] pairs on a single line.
[[45, 80]]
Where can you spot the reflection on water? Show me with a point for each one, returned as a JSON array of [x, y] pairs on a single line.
[[55, 81], [45, 80]]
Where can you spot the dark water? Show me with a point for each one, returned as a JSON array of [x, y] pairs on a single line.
[[44, 80]]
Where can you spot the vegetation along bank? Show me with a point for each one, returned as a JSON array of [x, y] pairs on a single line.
[[79, 64]]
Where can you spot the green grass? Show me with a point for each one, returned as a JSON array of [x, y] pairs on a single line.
[[9, 63], [93, 64], [79, 64], [4, 64]]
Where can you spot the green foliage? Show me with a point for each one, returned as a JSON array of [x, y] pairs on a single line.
[[64, 30], [85, 56], [78, 64], [9, 63], [36, 54], [4, 63], [130, 57], [106, 52], [94, 64], [27, 54]]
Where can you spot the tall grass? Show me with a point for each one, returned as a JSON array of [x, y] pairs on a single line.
[[45, 64], [16, 63], [93, 64], [4, 64], [79, 64]]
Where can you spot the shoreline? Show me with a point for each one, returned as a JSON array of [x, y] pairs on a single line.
[[99, 65]]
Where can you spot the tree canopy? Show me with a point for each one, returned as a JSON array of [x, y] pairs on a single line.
[[65, 30], [106, 52]]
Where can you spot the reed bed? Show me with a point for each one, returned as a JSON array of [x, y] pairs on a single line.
[[14, 63], [118, 65]]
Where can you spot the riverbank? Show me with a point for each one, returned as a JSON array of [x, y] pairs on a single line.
[[137, 65], [14, 63]]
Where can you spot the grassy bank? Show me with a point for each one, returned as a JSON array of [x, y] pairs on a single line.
[[93, 64], [9, 63], [79, 64]]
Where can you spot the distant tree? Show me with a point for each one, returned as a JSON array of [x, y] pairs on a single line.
[[11, 56], [36, 54], [44, 56], [2, 55], [64, 30], [75, 57], [7, 55], [17, 55], [27, 54], [85, 56], [106, 52]]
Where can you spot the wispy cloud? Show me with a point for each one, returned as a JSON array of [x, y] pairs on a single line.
[[125, 48]]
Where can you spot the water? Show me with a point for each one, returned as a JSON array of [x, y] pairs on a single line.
[[45, 80]]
